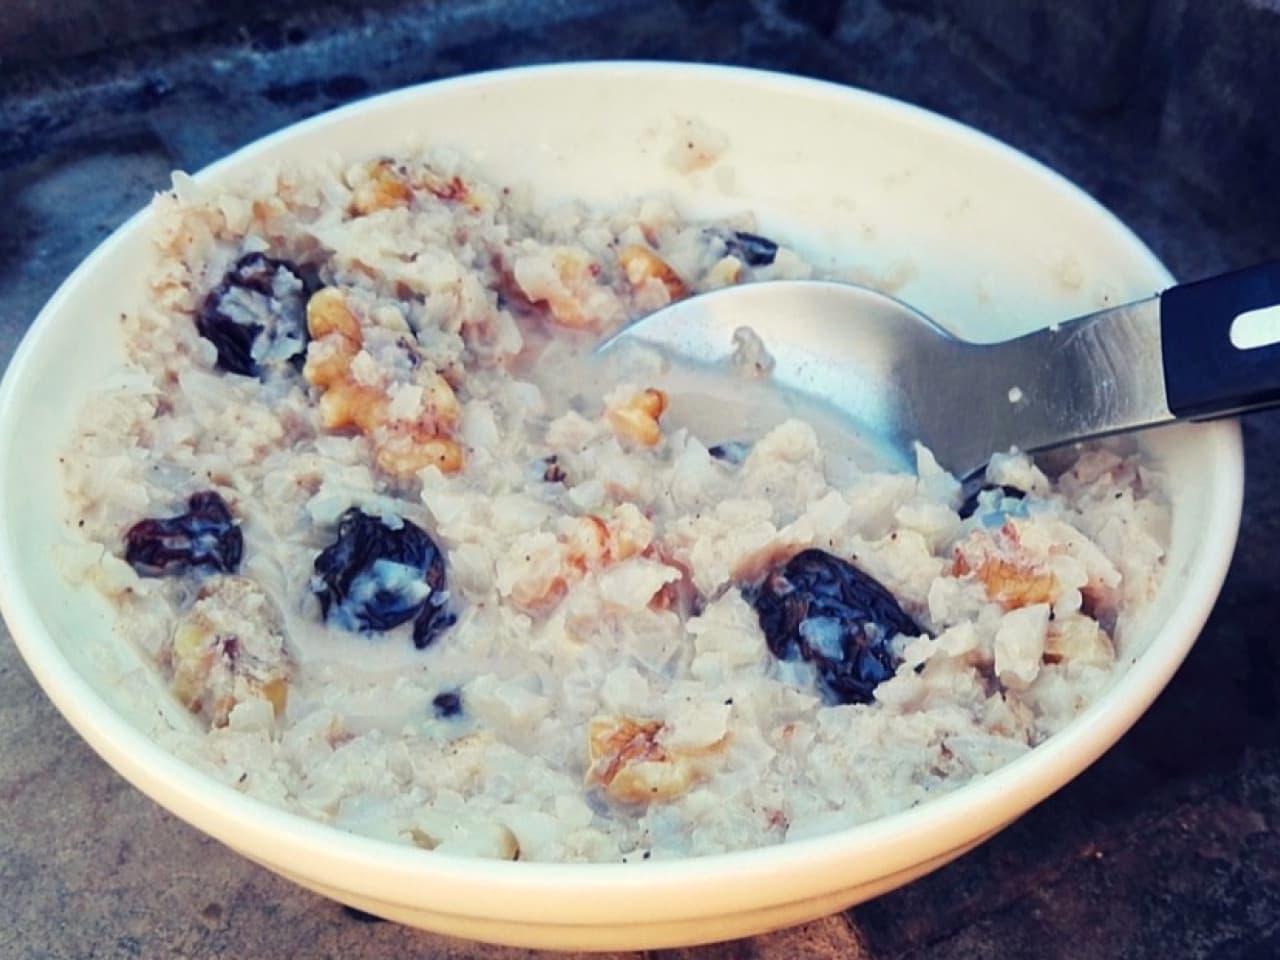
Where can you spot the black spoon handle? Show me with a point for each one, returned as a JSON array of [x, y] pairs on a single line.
[[1207, 332]]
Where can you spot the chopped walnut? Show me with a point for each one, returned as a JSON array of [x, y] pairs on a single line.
[[588, 543], [403, 454], [385, 187], [229, 649], [446, 188], [726, 272], [642, 265], [328, 313], [566, 280], [347, 404], [1078, 639], [402, 445], [637, 419], [630, 764], [1010, 585], [1013, 577]]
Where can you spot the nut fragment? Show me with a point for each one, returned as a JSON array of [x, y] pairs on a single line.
[[592, 543], [403, 445], [328, 361], [328, 312], [1013, 586], [637, 419], [335, 337], [441, 402], [567, 281], [404, 454], [229, 649], [585, 544], [588, 543], [1013, 576], [1077, 639], [446, 188], [726, 272], [630, 764], [349, 404], [384, 188], [464, 836], [276, 692], [642, 265]]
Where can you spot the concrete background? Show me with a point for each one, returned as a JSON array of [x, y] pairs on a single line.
[[1165, 110]]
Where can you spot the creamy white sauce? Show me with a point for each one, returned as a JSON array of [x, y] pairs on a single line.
[[718, 404]]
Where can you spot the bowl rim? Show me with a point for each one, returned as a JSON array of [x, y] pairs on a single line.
[[724, 882]]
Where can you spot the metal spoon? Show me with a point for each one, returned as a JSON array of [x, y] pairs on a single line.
[[1196, 351]]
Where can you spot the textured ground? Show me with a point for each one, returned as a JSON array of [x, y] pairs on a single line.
[[1162, 110]]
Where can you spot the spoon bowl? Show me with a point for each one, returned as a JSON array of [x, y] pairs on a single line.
[[900, 379]]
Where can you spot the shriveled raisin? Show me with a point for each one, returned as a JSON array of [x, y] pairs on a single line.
[[731, 451], [970, 504], [752, 249], [447, 705], [821, 609], [256, 317], [203, 538], [374, 577]]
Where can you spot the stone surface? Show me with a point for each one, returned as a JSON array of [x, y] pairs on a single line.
[[1218, 121], [1166, 847], [1082, 56]]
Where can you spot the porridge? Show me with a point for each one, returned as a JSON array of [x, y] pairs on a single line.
[[409, 561]]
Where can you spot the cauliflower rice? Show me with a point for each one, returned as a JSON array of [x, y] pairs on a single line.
[[583, 552]]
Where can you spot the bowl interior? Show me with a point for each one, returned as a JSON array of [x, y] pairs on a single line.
[[956, 224]]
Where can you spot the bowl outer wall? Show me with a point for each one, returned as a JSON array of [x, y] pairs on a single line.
[[783, 112]]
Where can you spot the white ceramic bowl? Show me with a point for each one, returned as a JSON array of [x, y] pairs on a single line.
[[963, 227]]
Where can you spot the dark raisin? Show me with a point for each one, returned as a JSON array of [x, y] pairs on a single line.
[[751, 249], [552, 472], [733, 451], [202, 538], [824, 610], [447, 704], [970, 504], [257, 316], [375, 577]]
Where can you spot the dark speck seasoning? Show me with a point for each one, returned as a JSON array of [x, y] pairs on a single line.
[[552, 471]]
